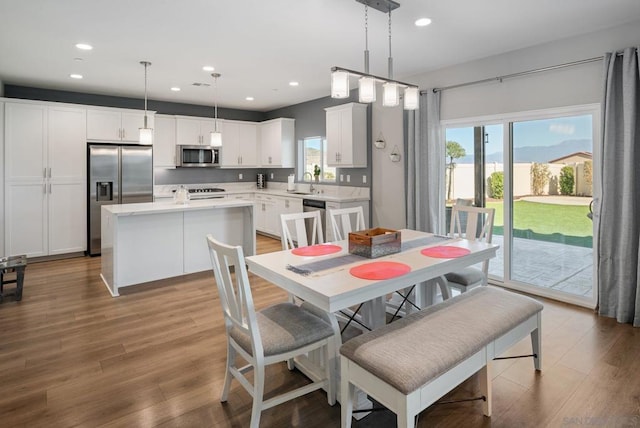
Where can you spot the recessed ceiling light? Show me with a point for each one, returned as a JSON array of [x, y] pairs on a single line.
[[293, 83], [208, 68], [84, 46], [76, 76], [249, 98], [175, 89], [423, 22]]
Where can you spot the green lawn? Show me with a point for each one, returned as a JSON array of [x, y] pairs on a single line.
[[567, 224]]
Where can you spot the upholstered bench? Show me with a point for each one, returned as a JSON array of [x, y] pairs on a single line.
[[409, 364]]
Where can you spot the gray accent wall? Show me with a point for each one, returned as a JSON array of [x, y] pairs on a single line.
[[160, 107], [206, 175], [311, 122]]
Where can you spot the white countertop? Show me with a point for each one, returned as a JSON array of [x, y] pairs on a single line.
[[327, 193], [170, 206]]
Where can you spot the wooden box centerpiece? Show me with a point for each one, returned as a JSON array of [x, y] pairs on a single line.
[[375, 242]]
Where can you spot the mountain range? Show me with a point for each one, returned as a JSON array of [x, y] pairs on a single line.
[[540, 154]]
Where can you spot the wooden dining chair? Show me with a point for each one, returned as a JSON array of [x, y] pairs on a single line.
[[474, 224], [346, 220], [275, 334], [301, 229]]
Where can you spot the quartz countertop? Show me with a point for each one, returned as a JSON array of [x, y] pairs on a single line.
[[170, 206], [324, 193]]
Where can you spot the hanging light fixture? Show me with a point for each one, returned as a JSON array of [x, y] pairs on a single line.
[[146, 133], [367, 82], [216, 135]]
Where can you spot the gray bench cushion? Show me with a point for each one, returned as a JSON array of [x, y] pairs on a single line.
[[410, 352], [284, 327]]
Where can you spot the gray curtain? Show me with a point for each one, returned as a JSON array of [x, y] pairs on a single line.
[[617, 216], [424, 165]]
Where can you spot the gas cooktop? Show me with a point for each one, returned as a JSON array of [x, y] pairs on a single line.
[[206, 190]]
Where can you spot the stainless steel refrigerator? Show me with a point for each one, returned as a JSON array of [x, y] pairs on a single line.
[[118, 174]]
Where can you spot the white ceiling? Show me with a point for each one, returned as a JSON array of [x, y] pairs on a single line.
[[259, 46]]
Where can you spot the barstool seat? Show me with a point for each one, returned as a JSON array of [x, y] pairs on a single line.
[[12, 264]]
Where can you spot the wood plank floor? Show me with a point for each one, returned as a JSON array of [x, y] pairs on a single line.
[[70, 355]]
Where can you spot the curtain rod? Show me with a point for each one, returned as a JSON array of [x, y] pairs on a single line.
[[522, 73]]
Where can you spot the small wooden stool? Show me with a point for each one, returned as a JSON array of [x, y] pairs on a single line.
[[11, 264]]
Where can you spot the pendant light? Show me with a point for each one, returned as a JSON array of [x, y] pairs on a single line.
[[216, 135], [146, 133], [367, 82]]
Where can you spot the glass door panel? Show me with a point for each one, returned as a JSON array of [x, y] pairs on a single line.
[[474, 176], [551, 189]]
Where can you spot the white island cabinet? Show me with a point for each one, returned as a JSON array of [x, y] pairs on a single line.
[[156, 240]]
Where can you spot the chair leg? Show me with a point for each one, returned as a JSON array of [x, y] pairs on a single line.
[[330, 371], [231, 358], [258, 394], [347, 392]]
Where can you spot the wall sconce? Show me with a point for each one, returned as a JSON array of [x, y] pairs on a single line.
[[395, 154]]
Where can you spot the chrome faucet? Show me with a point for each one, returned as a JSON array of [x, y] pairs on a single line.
[[311, 189]]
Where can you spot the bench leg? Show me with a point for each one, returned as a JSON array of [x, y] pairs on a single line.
[[406, 420], [485, 388], [536, 344], [347, 394]]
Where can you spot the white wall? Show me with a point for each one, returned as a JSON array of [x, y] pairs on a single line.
[[558, 88], [1, 178], [387, 188]]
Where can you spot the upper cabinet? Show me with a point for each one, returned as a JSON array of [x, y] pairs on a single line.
[[277, 145], [194, 130], [164, 141], [239, 144], [116, 124], [347, 135]]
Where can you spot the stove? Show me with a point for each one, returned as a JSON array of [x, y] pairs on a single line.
[[205, 193]]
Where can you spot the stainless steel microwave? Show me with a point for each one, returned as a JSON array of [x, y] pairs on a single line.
[[197, 156]]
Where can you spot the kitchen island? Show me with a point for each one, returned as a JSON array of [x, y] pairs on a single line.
[[156, 240]]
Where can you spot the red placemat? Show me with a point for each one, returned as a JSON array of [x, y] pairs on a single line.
[[380, 270], [316, 250], [445, 252]]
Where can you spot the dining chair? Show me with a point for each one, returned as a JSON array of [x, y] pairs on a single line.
[[474, 224], [278, 333], [345, 221], [301, 229]]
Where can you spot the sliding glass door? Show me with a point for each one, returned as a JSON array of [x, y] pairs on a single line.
[[536, 170]]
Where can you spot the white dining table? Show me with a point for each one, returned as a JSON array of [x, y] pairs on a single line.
[[336, 289]]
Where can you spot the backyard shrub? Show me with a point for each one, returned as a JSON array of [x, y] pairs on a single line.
[[587, 173], [540, 175], [496, 185], [567, 180]]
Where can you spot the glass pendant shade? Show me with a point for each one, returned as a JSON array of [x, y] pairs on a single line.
[[216, 139], [339, 84], [146, 136], [367, 89], [411, 98], [390, 94]]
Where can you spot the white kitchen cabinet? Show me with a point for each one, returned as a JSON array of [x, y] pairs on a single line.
[[164, 141], [347, 135], [277, 143], [240, 144], [116, 124], [266, 213], [194, 130], [248, 196], [45, 170]]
